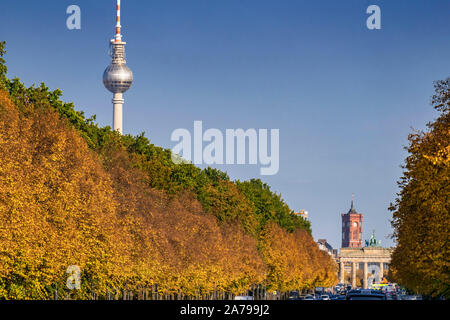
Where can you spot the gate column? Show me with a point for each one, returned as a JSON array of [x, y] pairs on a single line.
[[365, 276], [381, 271], [353, 275]]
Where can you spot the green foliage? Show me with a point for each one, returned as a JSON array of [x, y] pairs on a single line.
[[3, 68], [269, 206]]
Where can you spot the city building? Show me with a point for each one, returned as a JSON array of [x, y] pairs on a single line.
[[325, 246], [373, 260], [302, 213], [352, 228]]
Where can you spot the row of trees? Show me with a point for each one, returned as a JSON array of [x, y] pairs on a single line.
[[421, 213], [72, 193]]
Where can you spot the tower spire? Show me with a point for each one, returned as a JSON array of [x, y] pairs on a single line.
[[118, 25], [352, 207]]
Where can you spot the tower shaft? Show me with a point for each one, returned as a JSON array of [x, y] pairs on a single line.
[[118, 112]]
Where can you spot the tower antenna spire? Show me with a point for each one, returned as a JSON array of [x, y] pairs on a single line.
[[118, 25], [117, 77]]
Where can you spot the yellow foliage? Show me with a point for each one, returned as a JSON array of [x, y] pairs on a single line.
[[295, 261], [62, 204], [421, 214]]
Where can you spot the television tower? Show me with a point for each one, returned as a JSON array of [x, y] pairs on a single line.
[[117, 77]]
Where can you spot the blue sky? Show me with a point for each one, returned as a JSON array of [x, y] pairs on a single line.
[[344, 97]]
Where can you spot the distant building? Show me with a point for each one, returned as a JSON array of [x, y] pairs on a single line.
[[352, 228], [325, 246], [372, 258], [302, 213]]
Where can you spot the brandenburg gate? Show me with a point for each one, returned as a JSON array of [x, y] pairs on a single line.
[[365, 255]]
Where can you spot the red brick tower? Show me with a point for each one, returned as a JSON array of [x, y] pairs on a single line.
[[352, 228]]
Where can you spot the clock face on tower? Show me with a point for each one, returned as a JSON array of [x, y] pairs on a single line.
[[355, 224]]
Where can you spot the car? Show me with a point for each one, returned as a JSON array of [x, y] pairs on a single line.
[[243, 298], [365, 295], [391, 296], [293, 295], [411, 297], [324, 297], [309, 297]]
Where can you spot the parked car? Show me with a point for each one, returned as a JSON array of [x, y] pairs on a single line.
[[309, 297], [243, 298], [293, 295], [324, 297]]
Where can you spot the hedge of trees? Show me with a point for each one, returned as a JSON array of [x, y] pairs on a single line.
[[74, 193], [421, 213]]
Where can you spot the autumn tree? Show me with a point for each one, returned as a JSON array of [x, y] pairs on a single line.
[[421, 213], [294, 260], [55, 205], [3, 68], [73, 193], [269, 206]]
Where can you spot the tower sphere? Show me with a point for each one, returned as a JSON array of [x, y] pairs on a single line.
[[117, 78]]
